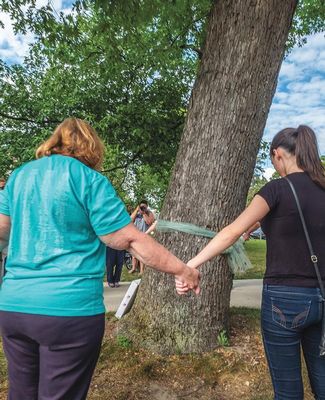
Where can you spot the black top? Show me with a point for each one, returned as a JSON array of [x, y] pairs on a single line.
[[288, 258]]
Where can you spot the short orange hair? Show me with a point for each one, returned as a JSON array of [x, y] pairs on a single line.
[[75, 138]]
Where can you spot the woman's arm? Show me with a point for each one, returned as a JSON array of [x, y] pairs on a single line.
[[151, 228], [251, 229], [257, 210], [134, 214], [149, 218], [151, 253]]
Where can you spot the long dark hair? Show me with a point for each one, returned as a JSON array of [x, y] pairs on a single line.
[[302, 143]]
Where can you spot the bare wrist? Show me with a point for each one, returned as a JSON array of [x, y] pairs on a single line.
[[182, 272], [192, 263]]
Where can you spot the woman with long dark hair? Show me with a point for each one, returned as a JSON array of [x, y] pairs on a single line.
[[291, 301]]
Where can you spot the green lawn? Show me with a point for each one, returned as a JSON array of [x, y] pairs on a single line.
[[256, 251], [126, 277]]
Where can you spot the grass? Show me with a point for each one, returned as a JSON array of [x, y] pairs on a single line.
[[256, 251], [126, 277]]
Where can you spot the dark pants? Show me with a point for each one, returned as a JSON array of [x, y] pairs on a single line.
[[50, 358], [114, 258], [291, 320]]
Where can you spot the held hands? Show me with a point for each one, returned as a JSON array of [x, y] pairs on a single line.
[[188, 280], [181, 286]]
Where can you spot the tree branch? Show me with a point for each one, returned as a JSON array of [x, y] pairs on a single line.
[[123, 166], [193, 48], [25, 119]]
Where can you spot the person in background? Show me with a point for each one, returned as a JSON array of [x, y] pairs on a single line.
[[143, 218], [2, 183], [52, 314], [291, 312], [152, 228], [114, 265]]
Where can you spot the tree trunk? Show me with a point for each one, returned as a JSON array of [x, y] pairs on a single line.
[[230, 102]]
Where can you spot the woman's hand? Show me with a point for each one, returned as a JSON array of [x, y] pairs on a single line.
[[188, 280], [182, 287]]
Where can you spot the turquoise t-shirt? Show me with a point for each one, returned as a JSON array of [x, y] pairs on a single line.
[[55, 266]]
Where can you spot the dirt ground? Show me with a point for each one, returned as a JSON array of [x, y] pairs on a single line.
[[236, 371]]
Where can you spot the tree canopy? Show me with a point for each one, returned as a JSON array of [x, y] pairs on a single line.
[[127, 67]]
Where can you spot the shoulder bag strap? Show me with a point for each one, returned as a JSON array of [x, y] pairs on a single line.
[[313, 256]]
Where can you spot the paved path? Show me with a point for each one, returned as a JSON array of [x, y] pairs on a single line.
[[245, 293]]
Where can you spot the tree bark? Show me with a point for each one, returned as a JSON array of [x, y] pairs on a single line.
[[227, 113]]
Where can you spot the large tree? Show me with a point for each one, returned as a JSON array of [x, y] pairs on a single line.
[[127, 66], [242, 55]]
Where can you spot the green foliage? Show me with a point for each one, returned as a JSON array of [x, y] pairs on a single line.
[[223, 339], [263, 154], [309, 18], [257, 183], [258, 180], [275, 175], [323, 160], [125, 66], [124, 342]]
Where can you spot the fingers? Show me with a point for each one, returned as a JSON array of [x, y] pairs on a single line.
[[181, 292], [183, 288]]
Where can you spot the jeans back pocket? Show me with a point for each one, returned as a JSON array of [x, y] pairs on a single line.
[[290, 313]]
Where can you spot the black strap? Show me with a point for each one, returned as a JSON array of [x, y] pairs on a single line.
[[313, 256]]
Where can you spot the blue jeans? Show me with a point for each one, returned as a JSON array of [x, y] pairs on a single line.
[[291, 320], [114, 258]]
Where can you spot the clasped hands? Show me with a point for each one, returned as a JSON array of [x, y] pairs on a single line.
[[190, 282]]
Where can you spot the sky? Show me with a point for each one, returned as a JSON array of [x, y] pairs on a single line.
[[13, 47], [300, 94]]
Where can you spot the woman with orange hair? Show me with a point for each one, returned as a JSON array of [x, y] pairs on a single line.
[[57, 213]]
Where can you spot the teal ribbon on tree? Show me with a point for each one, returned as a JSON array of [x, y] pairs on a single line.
[[236, 254]]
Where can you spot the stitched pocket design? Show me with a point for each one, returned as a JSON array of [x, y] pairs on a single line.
[[290, 314]]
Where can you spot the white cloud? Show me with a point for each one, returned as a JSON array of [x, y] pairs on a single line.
[[300, 95], [281, 96], [268, 172], [304, 57], [315, 84], [289, 71], [13, 48]]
